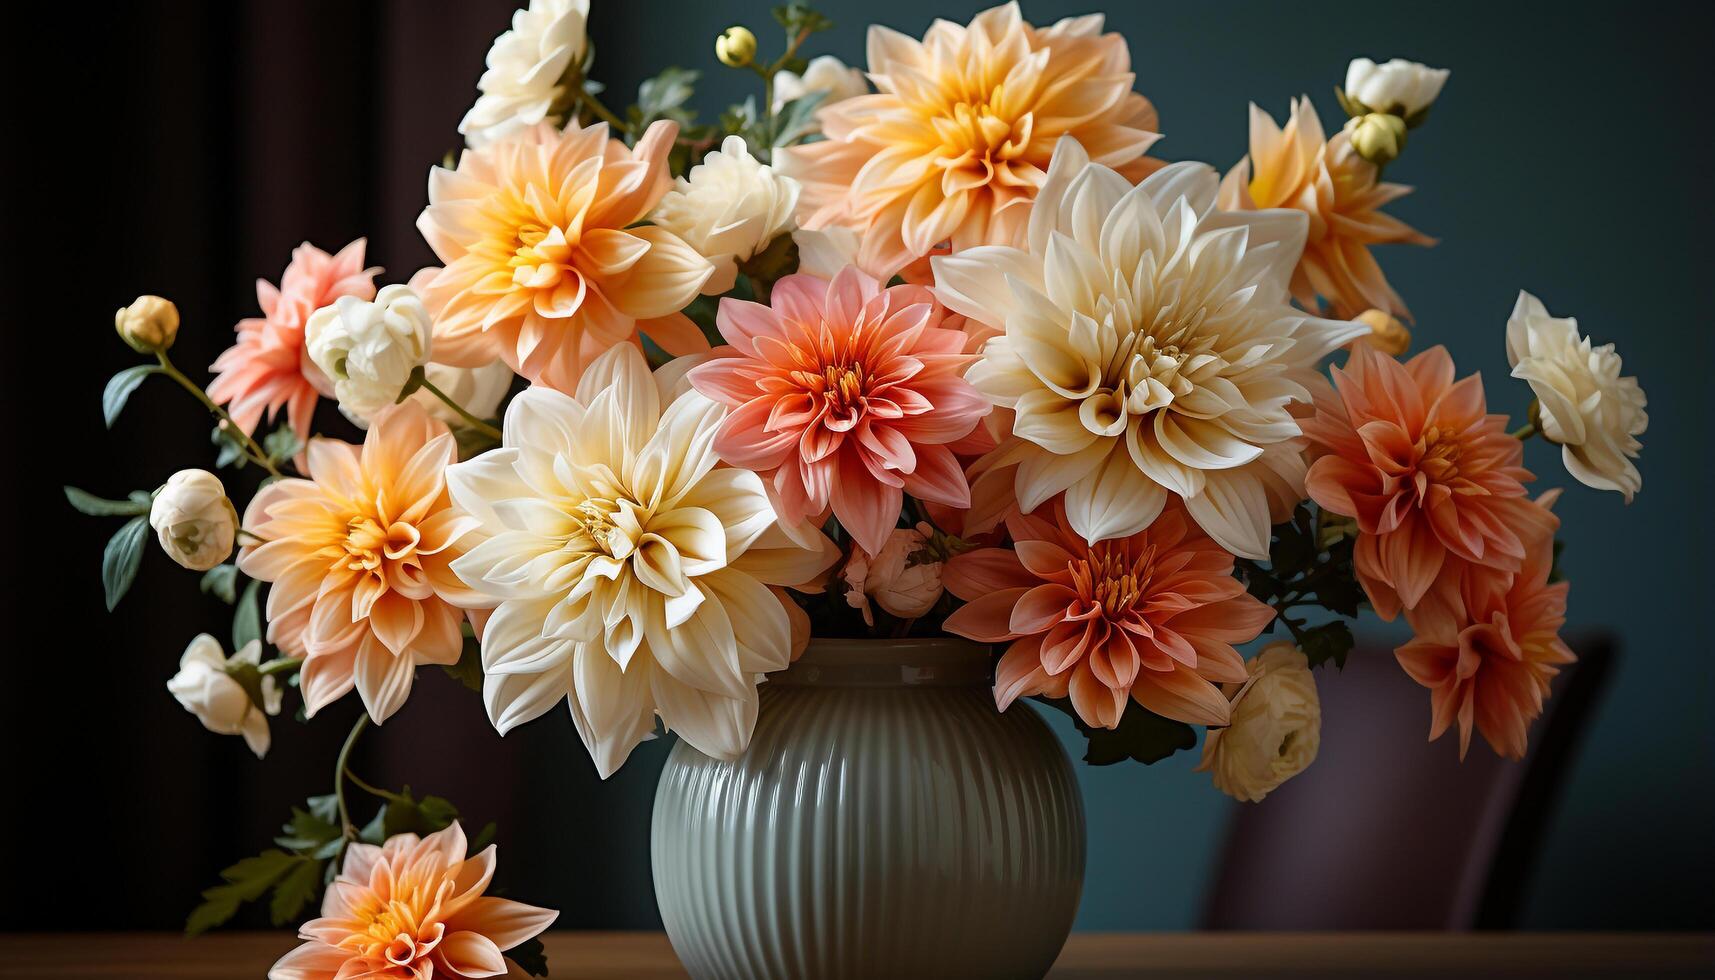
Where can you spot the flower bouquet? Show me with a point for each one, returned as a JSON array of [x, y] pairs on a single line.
[[934, 347]]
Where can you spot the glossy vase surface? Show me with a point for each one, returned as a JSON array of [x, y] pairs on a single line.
[[886, 821]]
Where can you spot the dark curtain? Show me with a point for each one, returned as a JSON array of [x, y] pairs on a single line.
[[184, 149]]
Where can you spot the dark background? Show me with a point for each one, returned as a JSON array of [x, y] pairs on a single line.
[[185, 148]]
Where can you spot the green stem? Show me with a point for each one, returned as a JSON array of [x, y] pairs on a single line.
[[1525, 431], [339, 774], [601, 112], [251, 449], [471, 420], [282, 665], [372, 790]]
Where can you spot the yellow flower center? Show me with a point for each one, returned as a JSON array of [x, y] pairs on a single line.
[[977, 127], [1440, 454], [1111, 578]]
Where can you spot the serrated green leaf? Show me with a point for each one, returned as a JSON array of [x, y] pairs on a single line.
[[797, 17], [1327, 643], [85, 502], [247, 616], [119, 389], [245, 881], [375, 831], [219, 906], [294, 891], [230, 446], [664, 97], [531, 957], [282, 444], [325, 808], [119, 562], [797, 119], [221, 581]]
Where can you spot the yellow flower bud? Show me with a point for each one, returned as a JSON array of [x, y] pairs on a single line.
[[736, 47], [149, 325], [1387, 334], [1378, 137]]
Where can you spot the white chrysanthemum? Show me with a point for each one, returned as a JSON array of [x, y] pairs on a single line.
[[825, 73], [526, 68], [1149, 349], [1593, 413], [635, 576], [731, 207]]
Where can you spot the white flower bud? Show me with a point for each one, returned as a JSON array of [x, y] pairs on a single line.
[[1378, 137], [369, 349], [194, 520], [206, 687], [729, 208], [1276, 727], [736, 47], [1402, 88]]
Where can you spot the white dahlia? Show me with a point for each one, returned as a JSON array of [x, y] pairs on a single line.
[[524, 82], [1585, 406], [1148, 348], [635, 575]]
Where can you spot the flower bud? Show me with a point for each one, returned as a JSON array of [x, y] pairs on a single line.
[[1378, 137], [194, 520], [207, 686], [1387, 334], [370, 349], [736, 47], [149, 325], [904, 577], [1276, 727], [1402, 88]]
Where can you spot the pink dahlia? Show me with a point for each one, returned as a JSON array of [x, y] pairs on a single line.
[[844, 395], [1431, 478], [1151, 617], [268, 368]]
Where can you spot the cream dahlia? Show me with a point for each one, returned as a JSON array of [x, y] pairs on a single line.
[[1594, 414], [1433, 480], [268, 368], [359, 558], [1489, 655], [1151, 617], [844, 395], [412, 909], [633, 573], [956, 142], [527, 72], [1149, 351], [1342, 194], [546, 266]]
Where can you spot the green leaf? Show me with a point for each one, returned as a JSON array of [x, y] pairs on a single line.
[[483, 838], [231, 448], [664, 97], [119, 389], [407, 815], [799, 17], [1142, 735], [119, 562], [85, 502], [797, 119], [307, 831], [325, 808], [375, 832], [468, 670], [294, 891], [221, 581], [1329, 642], [247, 617], [246, 881], [531, 957], [282, 444]]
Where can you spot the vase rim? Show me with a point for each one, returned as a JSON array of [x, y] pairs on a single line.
[[885, 662]]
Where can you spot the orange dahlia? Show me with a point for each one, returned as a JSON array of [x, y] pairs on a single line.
[[1432, 479], [1488, 655], [546, 264], [1151, 617], [956, 141], [1297, 168]]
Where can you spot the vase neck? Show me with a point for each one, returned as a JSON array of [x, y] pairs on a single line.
[[938, 662]]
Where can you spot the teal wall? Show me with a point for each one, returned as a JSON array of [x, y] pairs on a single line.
[[1561, 158]]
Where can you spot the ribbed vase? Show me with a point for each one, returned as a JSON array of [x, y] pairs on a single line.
[[886, 821]]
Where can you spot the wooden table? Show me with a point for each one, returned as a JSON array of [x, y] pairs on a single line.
[[1088, 956]]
